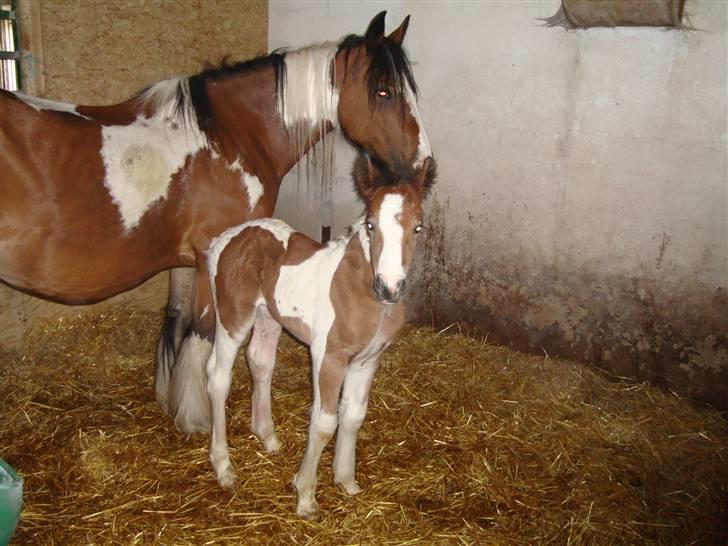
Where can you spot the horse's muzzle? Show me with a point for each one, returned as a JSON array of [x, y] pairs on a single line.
[[383, 292]]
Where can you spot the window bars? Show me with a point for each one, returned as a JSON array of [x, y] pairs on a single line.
[[9, 47]]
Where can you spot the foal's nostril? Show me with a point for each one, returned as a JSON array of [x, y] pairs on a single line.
[[401, 287], [380, 289]]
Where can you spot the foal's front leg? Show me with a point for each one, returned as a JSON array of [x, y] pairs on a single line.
[[352, 410], [327, 377]]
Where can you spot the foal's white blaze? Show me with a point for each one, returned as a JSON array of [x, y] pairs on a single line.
[[45, 104], [141, 159], [424, 150], [389, 265]]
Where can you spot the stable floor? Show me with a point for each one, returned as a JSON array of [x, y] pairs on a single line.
[[465, 442]]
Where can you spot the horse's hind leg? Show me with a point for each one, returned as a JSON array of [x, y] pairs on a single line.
[[261, 355], [189, 405], [177, 320], [352, 410], [219, 376]]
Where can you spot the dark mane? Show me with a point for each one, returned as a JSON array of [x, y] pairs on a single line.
[[200, 103], [389, 64]]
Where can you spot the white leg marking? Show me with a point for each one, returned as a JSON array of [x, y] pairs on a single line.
[[352, 411], [219, 376]]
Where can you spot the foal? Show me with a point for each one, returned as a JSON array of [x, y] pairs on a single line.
[[342, 299]]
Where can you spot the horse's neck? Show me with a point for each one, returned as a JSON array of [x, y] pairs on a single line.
[[248, 119]]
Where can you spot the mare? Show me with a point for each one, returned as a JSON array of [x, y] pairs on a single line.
[[97, 199], [342, 299]]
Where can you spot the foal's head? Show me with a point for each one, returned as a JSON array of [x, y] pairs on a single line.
[[393, 220]]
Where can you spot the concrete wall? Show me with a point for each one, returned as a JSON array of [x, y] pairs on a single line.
[[582, 207], [92, 52]]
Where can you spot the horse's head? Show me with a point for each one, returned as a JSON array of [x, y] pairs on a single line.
[[394, 218], [377, 106]]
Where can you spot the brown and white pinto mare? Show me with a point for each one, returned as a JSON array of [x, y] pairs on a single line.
[[95, 200], [341, 299]]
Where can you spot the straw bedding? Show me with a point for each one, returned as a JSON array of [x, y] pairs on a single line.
[[465, 442]]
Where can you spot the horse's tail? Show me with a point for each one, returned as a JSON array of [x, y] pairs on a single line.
[[176, 323]]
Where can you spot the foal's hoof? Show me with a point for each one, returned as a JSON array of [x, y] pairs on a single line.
[[272, 444], [351, 487], [309, 511], [228, 479]]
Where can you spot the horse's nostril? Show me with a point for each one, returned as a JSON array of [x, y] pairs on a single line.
[[401, 286]]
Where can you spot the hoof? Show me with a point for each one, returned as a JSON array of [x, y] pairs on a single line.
[[228, 479], [351, 487], [309, 511], [272, 444]]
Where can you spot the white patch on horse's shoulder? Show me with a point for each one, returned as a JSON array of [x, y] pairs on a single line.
[[390, 260], [45, 104], [205, 310], [255, 189], [252, 184], [141, 158]]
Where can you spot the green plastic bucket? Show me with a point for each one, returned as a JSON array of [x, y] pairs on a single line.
[[11, 499]]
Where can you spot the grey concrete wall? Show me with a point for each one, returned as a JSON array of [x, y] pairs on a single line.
[[582, 206]]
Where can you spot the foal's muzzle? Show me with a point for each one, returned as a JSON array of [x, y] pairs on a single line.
[[383, 292]]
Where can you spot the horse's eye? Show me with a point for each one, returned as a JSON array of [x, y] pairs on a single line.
[[384, 93], [370, 226], [418, 229]]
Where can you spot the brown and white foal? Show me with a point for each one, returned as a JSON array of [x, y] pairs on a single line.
[[342, 299]]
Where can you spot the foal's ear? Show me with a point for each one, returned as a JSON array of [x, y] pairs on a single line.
[[425, 176], [375, 32], [364, 174], [397, 35]]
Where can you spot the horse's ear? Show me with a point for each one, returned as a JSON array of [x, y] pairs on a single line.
[[364, 174], [425, 177], [375, 32], [397, 35]]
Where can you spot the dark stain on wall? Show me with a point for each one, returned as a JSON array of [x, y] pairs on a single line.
[[674, 335]]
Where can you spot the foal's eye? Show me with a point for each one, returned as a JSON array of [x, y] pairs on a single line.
[[370, 226], [418, 229], [384, 93]]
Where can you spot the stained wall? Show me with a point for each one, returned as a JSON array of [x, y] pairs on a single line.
[[582, 207], [91, 52]]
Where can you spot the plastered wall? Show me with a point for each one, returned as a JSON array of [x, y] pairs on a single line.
[[94, 52], [582, 207]]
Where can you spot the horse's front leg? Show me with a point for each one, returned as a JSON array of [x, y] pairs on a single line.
[[188, 402], [327, 377], [352, 410], [176, 321]]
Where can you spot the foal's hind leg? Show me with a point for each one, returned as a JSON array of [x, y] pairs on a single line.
[[219, 376], [176, 322], [261, 356]]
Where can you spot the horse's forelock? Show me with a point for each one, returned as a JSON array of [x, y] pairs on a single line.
[[388, 63]]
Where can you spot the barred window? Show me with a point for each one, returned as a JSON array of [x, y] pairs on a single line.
[[9, 47]]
